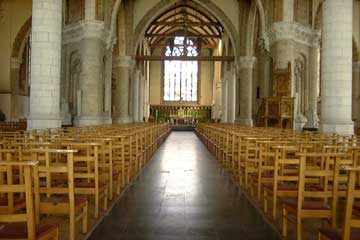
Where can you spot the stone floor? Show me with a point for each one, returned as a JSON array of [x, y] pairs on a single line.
[[183, 194]]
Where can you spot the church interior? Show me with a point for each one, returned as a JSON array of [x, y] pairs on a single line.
[[180, 119]]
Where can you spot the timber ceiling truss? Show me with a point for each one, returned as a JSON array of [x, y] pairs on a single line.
[[191, 21]]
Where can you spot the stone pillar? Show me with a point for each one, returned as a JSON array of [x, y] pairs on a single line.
[[356, 94], [314, 78], [224, 99], [231, 95], [90, 9], [135, 94], [122, 68], [141, 98], [264, 66], [91, 96], [45, 64], [15, 78], [246, 67], [336, 68]]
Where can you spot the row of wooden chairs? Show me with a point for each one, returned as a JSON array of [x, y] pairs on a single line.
[[66, 167], [302, 174]]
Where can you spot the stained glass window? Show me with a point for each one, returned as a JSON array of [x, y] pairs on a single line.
[[181, 77]]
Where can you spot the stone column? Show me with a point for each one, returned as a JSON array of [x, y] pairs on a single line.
[[141, 98], [356, 94], [122, 67], [246, 67], [231, 95], [224, 99], [90, 9], [45, 64], [92, 79], [15, 78], [135, 94], [264, 66], [314, 78], [336, 68]]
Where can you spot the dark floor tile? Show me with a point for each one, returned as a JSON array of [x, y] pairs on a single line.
[[183, 194]]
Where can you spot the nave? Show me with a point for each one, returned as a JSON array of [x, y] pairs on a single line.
[[183, 194]]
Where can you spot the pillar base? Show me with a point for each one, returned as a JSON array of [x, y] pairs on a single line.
[[312, 120], [245, 122], [121, 120], [345, 128], [300, 121], [89, 121], [43, 123]]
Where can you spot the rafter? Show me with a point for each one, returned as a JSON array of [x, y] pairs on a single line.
[[187, 58], [191, 35], [189, 24]]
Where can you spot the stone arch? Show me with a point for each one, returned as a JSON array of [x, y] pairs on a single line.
[[162, 6], [317, 20], [19, 41], [256, 11]]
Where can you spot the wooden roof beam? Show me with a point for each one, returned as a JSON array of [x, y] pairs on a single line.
[[190, 24], [188, 35], [187, 58]]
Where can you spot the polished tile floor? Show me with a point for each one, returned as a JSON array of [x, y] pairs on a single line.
[[183, 194]]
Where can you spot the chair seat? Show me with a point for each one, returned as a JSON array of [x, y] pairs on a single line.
[[254, 176], [282, 187], [336, 234], [78, 200], [341, 187], [307, 205], [19, 230], [89, 185], [18, 201]]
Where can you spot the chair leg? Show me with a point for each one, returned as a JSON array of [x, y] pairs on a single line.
[[274, 206], [265, 202], [85, 219], [56, 237], [284, 223], [96, 215], [299, 229], [106, 191]]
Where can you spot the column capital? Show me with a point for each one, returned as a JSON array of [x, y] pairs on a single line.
[[85, 29], [246, 62], [124, 61], [295, 32]]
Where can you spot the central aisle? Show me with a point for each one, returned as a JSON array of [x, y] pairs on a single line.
[[183, 194]]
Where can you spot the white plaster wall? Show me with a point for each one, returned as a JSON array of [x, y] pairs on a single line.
[[5, 104], [14, 15]]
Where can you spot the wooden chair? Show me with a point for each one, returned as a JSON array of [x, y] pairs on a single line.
[[52, 194], [10, 202], [282, 182], [22, 225], [87, 173], [351, 227], [311, 202]]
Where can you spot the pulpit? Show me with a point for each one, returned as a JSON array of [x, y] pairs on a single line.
[[278, 110]]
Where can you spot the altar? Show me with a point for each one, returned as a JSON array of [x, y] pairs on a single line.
[[181, 114]]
